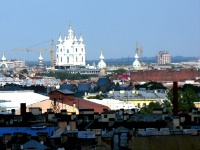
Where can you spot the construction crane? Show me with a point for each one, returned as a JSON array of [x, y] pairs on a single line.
[[51, 51]]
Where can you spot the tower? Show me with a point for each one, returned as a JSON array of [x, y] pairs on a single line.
[[101, 64], [136, 63], [40, 59], [3, 65]]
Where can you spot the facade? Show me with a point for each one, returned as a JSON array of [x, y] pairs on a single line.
[[164, 75], [70, 51], [163, 58]]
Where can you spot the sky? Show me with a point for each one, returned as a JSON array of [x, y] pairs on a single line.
[[111, 26]]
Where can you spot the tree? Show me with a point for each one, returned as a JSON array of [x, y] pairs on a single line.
[[119, 71], [149, 108], [64, 75], [186, 98], [24, 71], [167, 105], [151, 86]]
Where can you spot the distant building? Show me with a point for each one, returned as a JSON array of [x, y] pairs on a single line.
[[40, 63], [163, 58], [101, 64], [136, 63], [5, 64], [70, 51]]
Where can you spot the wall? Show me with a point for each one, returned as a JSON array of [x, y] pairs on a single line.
[[164, 75]]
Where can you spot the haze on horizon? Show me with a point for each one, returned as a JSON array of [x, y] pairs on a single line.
[[111, 26]]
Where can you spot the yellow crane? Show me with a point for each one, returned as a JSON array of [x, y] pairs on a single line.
[[51, 51]]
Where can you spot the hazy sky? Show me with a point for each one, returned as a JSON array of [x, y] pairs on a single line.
[[108, 25]]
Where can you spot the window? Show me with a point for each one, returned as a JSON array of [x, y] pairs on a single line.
[[82, 49], [61, 50], [67, 51], [61, 59], [67, 59], [105, 116], [82, 59], [76, 49], [76, 59]]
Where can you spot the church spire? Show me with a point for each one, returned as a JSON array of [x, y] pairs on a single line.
[[70, 32], [60, 39], [101, 64], [81, 39], [40, 57], [75, 40], [101, 56]]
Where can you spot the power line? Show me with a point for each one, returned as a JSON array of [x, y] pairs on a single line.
[[38, 44]]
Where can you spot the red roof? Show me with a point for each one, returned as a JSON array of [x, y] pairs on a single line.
[[81, 103], [123, 77]]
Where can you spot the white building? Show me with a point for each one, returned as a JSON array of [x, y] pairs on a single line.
[[70, 51], [8, 64], [136, 63], [101, 64], [12, 99], [40, 63]]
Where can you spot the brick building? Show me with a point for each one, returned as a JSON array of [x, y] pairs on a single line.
[[165, 75]]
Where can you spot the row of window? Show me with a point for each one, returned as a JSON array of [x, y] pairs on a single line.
[[76, 50], [61, 59]]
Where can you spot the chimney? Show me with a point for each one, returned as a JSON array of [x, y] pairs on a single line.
[[13, 111], [175, 98], [23, 108]]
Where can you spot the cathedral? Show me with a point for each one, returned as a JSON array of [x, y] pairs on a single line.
[[70, 52]]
